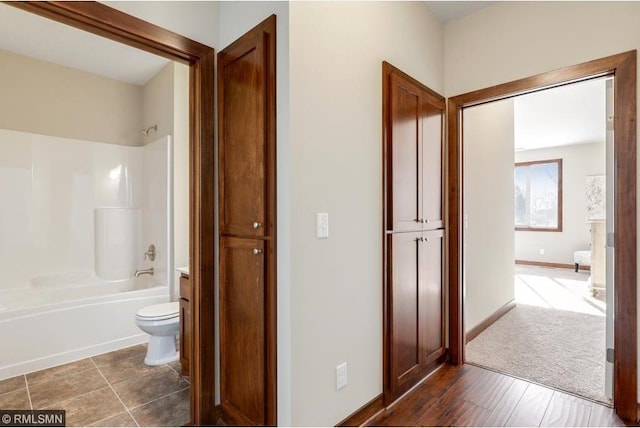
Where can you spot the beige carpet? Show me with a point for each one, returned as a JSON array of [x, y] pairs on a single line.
[[560, 349]]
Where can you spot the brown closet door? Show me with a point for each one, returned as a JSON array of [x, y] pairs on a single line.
[[431, 295], [405, 324], [242, 369], [247, 212], [413, 227], [432, 116], [242, 96], [405, 151]]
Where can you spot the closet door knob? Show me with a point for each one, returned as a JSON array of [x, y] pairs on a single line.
[[257, 225], [257, 251]]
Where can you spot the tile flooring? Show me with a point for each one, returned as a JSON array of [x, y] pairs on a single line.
[[114, 389]]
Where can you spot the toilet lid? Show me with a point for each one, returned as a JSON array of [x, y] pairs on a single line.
[[160, 312]]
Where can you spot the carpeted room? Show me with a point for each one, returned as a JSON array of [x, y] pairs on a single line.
[[539, 320]]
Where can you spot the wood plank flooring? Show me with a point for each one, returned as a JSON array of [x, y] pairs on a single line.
[[472, 396]]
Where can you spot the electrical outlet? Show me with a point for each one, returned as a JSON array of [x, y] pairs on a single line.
[[341, 376], [542, 251]]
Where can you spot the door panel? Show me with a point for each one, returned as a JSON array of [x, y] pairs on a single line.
[[404, 306], [431, 295], [247, 227], [405, 149], [432, 120], [242, 93], [242, 335]]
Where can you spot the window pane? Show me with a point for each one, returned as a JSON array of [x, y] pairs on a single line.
[[543, 200], [521, 178]]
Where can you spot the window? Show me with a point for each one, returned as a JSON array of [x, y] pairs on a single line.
[[538, 195]]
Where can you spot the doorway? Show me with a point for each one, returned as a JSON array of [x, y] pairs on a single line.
[[112, 24], [544, 157], [623, 68]]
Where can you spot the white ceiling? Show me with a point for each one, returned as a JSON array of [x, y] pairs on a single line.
[[33, 36], [572, 114], [447, 11]]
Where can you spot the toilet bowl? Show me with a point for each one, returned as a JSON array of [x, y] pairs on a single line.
[[162, 323]]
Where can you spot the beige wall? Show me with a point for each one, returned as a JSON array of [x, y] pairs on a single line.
[[512, 40], [181, 164], [49, 99], [166, 104], [157, 104], [488, 209], [197, 20], [578, 162], [336, 99]]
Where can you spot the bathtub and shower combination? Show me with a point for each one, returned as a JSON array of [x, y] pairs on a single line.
[[117, 203]]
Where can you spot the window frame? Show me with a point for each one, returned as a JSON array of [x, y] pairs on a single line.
[[558, 228]]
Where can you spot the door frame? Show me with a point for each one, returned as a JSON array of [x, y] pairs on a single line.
[[110, 23], [623, 68]]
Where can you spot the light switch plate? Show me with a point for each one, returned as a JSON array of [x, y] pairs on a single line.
[[341, 376], [322, 225]]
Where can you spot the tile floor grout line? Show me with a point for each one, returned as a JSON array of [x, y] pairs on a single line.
[[75, 396], [176, 371], [159, 398], [26, 384], [115, 393], [58, 375], [108, 417], [117, 360]]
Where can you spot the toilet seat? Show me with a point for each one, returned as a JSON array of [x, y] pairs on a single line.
[[163, 311]]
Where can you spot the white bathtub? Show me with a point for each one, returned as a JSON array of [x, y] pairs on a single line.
[[53, 322]]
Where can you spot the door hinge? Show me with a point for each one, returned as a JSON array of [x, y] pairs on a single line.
[[610, 355], [611, 239]]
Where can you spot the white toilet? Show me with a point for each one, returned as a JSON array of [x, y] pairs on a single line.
[[162, 323]]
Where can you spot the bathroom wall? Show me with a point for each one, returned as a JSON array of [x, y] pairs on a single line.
[[181, 164], [50, 187], [155, 202], [50, 99], [166, 104]]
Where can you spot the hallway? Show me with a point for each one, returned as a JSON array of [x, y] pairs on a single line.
[[472, 396]]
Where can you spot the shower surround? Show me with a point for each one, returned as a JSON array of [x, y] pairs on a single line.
[[76, 220]]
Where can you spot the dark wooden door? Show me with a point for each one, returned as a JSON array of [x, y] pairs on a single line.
[[406, 356], [243, 96], [405, 150], [432, 120], [431, 286], [414, 231], [242, 310], [247, 210]]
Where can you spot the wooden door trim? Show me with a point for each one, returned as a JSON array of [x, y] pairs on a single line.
[[623, 67], [110, 23]]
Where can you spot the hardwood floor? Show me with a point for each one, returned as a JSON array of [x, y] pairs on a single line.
[[472, 396]]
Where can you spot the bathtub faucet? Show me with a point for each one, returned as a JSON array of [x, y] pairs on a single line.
[[143, 272]]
